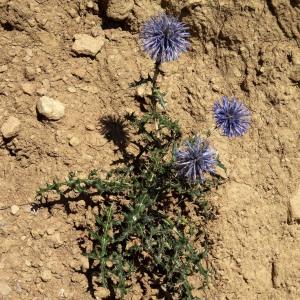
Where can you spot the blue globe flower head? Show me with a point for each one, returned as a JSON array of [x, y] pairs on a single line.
[[233, 117], [164, 38], [195, 159]]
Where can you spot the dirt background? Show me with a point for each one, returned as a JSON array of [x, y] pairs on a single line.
[[249, 49]]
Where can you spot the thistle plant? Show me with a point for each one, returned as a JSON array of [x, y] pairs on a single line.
[[144, 226]]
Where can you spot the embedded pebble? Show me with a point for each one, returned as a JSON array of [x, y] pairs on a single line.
[[74, 141], [50, 108], [71, 89], [10, 128], [87, 45], [295, 206], [46, 275], [14, 209], [4, 288], [119, 10], [28, 88]]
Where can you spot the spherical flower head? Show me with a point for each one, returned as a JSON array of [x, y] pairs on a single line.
[[164, 38], [195, 159], [233, 117]]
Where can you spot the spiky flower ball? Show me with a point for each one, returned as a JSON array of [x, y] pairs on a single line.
[[233, 117], [164, 38], [195, 159]]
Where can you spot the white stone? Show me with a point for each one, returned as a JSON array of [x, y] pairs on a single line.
[[4, 289], [14, 209], [87, 45], [10, 128], [50, 108], [119, 10]]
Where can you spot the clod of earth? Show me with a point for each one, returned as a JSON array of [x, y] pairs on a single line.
[[87, 45], [119, 10]]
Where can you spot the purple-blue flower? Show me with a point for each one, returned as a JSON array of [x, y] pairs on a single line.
[[232, 116], [164, 38], [195, 159]]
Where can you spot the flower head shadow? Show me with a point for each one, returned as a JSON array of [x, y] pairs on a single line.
[[115, 130], [195, 159], [232, 116], [164, 38]]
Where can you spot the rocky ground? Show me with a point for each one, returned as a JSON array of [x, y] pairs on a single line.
[[72, 62]]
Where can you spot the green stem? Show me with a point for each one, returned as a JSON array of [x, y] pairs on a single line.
[[154, 85]]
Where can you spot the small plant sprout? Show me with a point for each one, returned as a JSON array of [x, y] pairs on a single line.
[[233, 117], [195, 159]]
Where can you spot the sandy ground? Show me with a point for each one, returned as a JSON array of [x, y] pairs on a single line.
[[248, 49]]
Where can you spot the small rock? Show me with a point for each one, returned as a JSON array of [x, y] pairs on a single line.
[[96, 31], [28, 263], [41, 91], [46, 275], [3, 68], [50, 108], [295, 73], [56, 239], [102, 293], [28, 88], [50, 230], [296, 56], [143, 91], [90, 127], [119, 10], [29, 73], [74, 141], [4, 288], [10, 128], [87, 45], [14, 209], [294, 208]]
